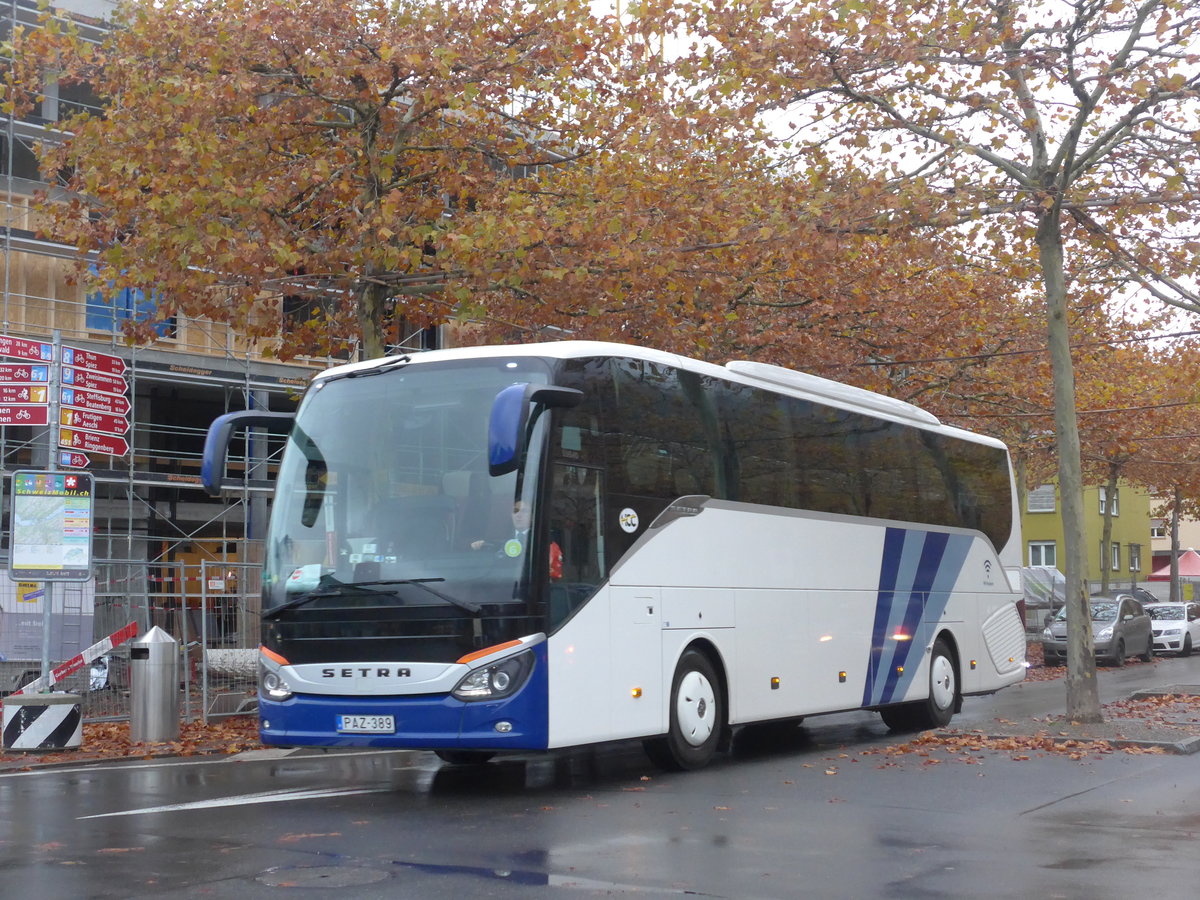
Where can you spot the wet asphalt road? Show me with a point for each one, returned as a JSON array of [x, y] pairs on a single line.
[[805, 814]]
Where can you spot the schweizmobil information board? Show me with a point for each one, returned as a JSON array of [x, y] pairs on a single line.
[[51, 526]]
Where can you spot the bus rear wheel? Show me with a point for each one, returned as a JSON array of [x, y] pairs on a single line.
[[464, 757], [937, 709], [697, 717]]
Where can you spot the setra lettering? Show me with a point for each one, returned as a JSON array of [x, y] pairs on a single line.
[[367, 672]]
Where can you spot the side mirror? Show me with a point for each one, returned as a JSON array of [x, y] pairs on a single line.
[[510, 420], [216, 443]]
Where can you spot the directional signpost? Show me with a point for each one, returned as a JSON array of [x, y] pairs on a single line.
[[23, 393], [95, 381], [24, 387], [23, 349], [72, 460], [91, 442], [93, 421], [93, 404], [82, 393], [93, 361], [94, 400]]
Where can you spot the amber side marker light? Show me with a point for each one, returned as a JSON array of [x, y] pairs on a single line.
[[635, 693]]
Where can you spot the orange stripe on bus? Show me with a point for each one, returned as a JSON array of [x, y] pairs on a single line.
[[488, 651]]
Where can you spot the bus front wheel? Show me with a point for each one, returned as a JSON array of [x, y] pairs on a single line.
[[697, 716], [936, 710]]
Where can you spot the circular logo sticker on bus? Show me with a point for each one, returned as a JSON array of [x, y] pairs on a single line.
[[628, 520], [512, 548]]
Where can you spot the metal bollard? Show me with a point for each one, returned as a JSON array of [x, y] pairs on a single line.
[[154, 687]]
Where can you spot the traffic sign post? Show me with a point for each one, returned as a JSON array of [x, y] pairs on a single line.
[[24, 393], [76, 398], [93, 361], [93, 421], [24, 415], [92, 442], [94, 381], [24, 349], [23, 373]]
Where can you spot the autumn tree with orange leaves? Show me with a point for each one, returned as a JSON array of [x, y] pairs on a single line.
[[528, 166], [308, 147], [1057, 132]]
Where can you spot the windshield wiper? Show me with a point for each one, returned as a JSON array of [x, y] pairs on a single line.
[[336, 589], [423, 583]]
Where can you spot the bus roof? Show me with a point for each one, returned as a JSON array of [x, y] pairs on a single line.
[[776, 378]]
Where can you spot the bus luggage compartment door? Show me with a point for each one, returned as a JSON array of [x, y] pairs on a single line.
[[638, 701]]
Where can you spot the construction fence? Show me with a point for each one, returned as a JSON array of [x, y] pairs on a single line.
[[210, 608]]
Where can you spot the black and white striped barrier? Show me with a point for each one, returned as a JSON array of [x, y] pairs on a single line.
[[43, 722]]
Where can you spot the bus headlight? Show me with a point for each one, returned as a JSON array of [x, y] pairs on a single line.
[[497, 681], [274, 686]]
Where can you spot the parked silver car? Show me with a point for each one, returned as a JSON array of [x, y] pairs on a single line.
[[1176, 626], [1120, 628]]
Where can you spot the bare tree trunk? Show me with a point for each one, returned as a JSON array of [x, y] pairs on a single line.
[[1175, 595], [1083, 697], [1110, 491], [372, 295]]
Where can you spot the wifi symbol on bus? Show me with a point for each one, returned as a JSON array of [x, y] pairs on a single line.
[[987, 567]]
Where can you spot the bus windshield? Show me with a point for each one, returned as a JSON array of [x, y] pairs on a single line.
[[384, 498]]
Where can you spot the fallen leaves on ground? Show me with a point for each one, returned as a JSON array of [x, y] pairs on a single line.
[[111, 740], [1167, 717]]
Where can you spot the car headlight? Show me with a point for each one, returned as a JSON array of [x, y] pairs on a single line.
[[496, 681], [1105, 634], [273, 684], [1047, 635], [1173, 631]]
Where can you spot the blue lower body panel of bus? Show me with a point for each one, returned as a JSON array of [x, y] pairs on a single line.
[[423, 722]]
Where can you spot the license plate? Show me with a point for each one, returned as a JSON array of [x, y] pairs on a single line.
[[366, 724]]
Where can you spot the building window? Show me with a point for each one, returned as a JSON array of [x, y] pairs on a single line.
[[1114, 564], [1158, 528], [1115, 506], [109, 313], [17, 159], [1135, 557], [1043, 553], [1040, 499]]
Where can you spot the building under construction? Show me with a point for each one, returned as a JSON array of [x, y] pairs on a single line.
[[163, 551]]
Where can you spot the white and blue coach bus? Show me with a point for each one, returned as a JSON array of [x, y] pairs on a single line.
[[521, 548]]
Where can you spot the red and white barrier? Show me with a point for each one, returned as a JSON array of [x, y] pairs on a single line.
[[75, 663]]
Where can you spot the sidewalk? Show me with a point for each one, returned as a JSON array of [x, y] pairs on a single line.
[[109, 742]]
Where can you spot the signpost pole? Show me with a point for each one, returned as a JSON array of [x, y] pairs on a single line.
[[52, 466]]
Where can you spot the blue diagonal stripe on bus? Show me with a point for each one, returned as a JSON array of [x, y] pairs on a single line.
[[919, 570], [893, 551]]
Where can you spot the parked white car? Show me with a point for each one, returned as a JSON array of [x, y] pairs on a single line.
[[1176, 627]]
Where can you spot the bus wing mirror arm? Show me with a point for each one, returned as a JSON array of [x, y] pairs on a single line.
[[510, 417], [220, 432]]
